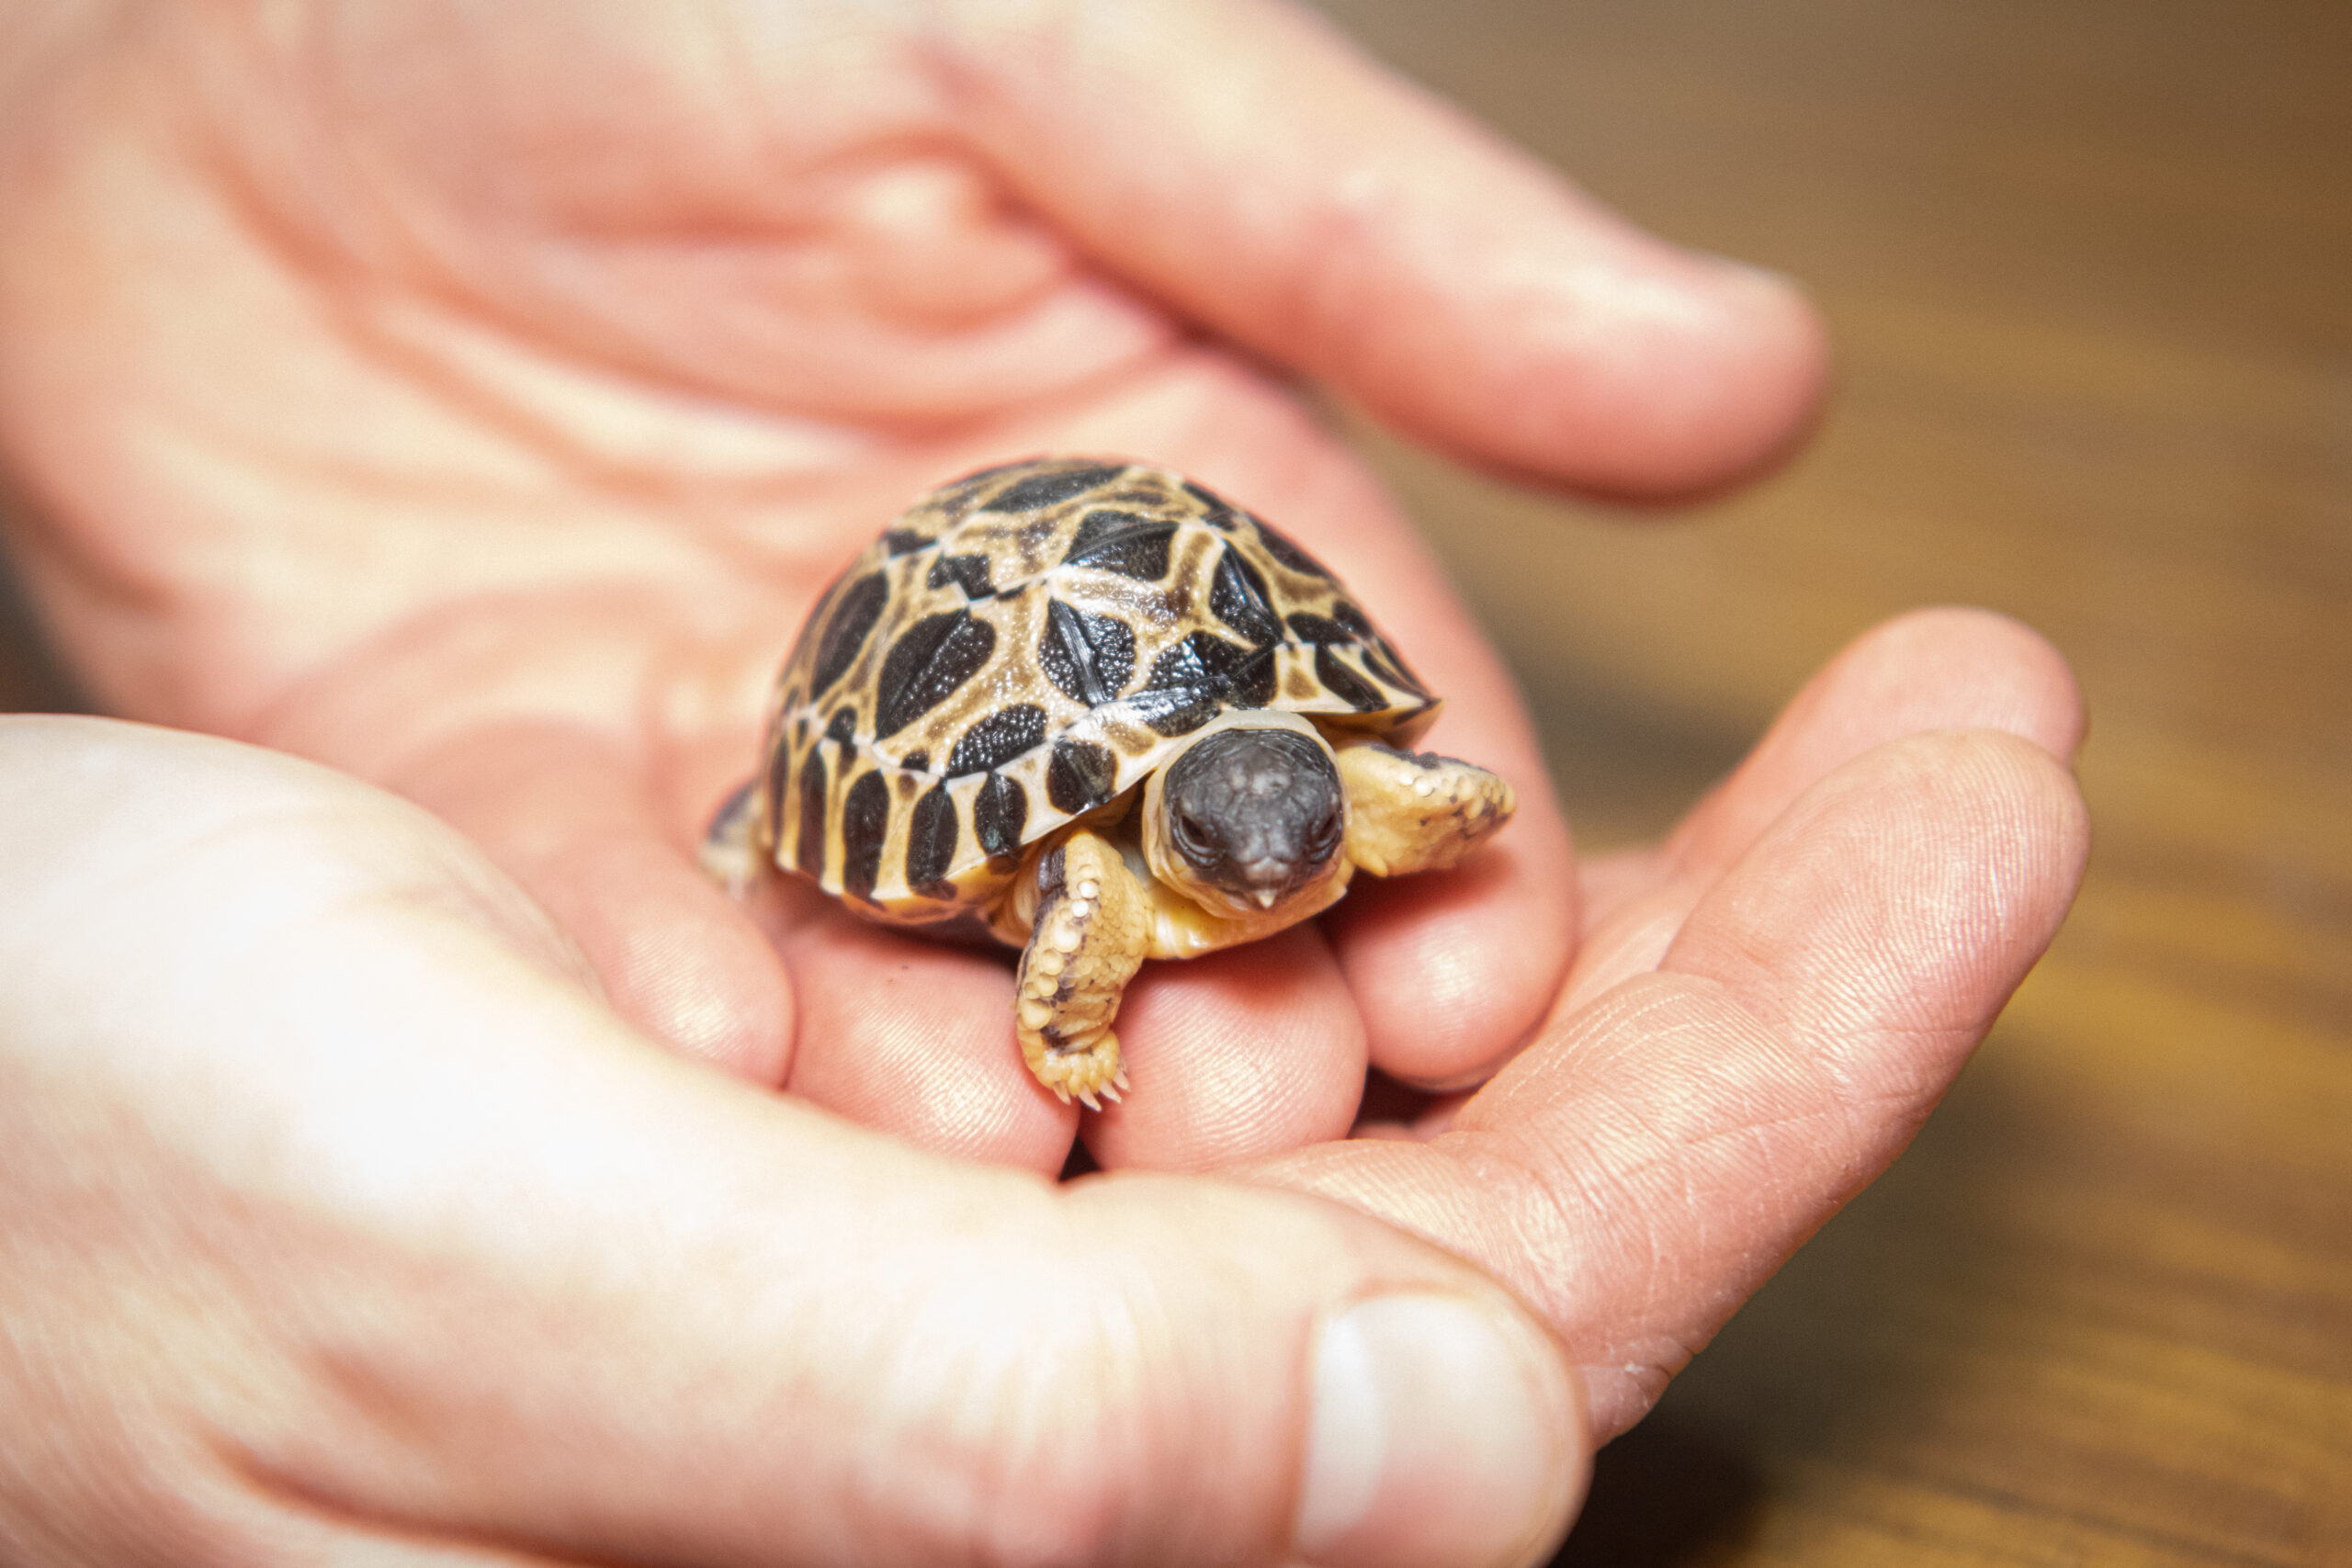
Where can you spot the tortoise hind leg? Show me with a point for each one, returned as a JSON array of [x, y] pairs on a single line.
[[730, 852], [1417, 811], [1090, 934]]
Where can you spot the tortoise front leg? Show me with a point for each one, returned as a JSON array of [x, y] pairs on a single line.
[[1417, 811], [1090, 933]]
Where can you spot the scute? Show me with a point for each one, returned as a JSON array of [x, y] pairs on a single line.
[[1237, 597], [1028, 642], [1081, 776], [930, 845], [865, 820], [1132, 544], [853, 617], [1088, 657], [997, 739], [937, 654]]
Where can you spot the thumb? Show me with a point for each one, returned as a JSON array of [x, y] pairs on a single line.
[[1245, 161], [439, 1262], [704, 1322]]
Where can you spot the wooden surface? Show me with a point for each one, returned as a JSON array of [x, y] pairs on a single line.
[[2090, 269]]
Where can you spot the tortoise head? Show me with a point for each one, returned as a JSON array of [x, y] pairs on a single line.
[[1249, 817]]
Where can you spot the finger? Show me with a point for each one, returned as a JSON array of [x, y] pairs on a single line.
[[1450, 970], [1653, 1159], [496, 1272], [1942, 668], [1245, 161], [1249, 1051], [1238, 1055], [566, 816], [915, 1037]]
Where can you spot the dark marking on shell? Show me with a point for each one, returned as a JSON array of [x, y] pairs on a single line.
[[1310, 628], [1252, 686], [1089, 657], [1381, 660], [930, 845], [1176, 712], [811, 853], [1206, 496], [844, 728], [779, 784], [1207, 667], [1199, 664], [1080, 776], [1281, 548], [906, 542], [866, 822], [997, 740], [969, 572], [1345, 684], [1384, 661], [1378, 657], [916, 761], [999, 816], [1054, 485], [1237, 597], [854, 616], [933, 656], [1132, 544], [977, 478]]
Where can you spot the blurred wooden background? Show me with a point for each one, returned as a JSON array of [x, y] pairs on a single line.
[[2089, 266], [2090, 269]]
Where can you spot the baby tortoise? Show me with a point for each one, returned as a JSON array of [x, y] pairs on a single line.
[[1091, 706]]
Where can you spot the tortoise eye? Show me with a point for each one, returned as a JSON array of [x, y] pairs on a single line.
[[1191, 834], [1327, 835]]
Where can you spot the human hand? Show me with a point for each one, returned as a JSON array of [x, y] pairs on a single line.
[[340, 1221], [334, 1214], [477, 400], [1762, 1011]]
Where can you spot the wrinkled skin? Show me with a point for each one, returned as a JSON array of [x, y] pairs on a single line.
[[474, 400]]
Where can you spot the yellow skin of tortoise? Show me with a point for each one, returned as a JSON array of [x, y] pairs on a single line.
[[973, 727]]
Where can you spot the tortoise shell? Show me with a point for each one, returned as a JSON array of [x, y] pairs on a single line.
[[1023, 645]]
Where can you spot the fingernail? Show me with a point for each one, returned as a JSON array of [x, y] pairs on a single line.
[[1443, 1432]]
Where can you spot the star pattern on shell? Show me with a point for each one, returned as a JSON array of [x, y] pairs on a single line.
[[1023, 645]]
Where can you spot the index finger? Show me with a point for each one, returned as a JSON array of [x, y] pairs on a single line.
[[1660, 1152], [1247, 162]]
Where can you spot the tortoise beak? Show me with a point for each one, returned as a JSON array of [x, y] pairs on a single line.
[[1266, 896]]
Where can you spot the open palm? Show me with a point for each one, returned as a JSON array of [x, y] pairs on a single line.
[[477, 400]]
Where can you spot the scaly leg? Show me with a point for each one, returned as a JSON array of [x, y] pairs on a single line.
[[730, 852], [1089, 936], [1417, 811]]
